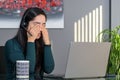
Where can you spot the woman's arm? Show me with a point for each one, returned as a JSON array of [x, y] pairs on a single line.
[[14, 52], [48, 60], [31, 56]]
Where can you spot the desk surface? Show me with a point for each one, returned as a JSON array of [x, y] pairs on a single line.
[[3, 77]]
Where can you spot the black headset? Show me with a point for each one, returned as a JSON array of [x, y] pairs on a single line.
[[24, 24], [22, 27]]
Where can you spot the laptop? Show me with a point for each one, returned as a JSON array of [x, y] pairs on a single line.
[[87, 60]]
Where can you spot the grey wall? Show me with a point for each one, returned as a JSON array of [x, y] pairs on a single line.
[[115, 12], [61, 38]]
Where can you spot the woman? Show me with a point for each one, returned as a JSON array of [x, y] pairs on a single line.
[[31, 43]]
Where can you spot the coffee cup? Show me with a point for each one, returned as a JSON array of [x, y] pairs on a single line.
[[22, 69]]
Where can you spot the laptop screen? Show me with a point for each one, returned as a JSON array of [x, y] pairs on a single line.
[[87, 59]]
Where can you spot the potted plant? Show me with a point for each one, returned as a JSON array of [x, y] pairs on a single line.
[[112, 36]]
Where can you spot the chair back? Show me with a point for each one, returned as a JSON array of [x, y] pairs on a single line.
[[2, 61]]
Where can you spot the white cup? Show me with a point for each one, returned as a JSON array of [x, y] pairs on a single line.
[[22, 69]]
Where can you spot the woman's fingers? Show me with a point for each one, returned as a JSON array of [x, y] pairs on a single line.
[[34, 30]]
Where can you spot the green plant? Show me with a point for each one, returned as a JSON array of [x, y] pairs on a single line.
[[112, 36]]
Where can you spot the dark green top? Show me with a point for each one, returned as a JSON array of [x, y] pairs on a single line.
[[14, 52]]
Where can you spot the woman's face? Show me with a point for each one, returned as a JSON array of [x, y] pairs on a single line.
[[40, 21]]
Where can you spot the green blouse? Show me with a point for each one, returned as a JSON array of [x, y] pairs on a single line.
[[13, 52]]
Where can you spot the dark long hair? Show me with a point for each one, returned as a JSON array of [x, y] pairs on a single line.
[[21, 35]]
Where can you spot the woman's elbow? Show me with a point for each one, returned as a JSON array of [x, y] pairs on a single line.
[[49, 69]]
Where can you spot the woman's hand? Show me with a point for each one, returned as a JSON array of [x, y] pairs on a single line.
[[45, 35], [34, 30]]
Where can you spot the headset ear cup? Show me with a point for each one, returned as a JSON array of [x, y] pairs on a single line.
[[24, 24]]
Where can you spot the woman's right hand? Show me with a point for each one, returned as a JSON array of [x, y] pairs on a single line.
[[34, 30]]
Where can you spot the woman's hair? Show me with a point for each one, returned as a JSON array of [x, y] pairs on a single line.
[[21, 35]]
